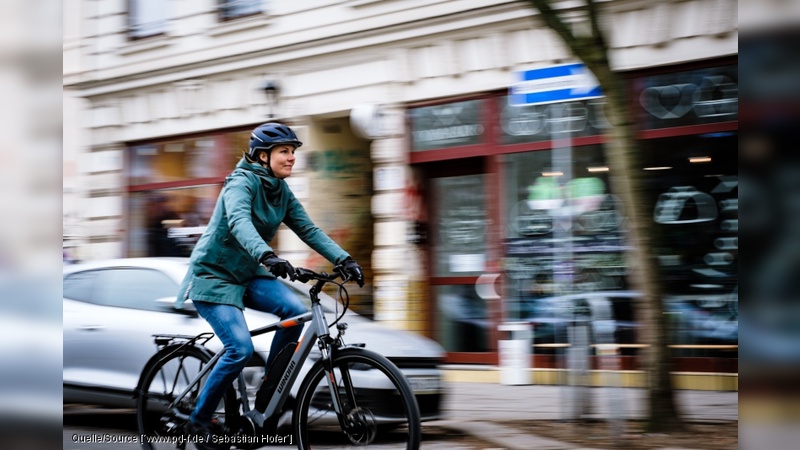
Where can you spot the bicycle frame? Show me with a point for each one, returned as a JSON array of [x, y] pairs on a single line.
[[318, 332]]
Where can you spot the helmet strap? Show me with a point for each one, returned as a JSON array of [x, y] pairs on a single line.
[[263, 163]]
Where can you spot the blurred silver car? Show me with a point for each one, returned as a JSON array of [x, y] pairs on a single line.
[[113, 308]]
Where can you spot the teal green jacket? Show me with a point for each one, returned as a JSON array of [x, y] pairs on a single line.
[[249, 210]]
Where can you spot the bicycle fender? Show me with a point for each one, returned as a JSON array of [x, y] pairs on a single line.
[[161, 354], [354, 350], [361, 350]]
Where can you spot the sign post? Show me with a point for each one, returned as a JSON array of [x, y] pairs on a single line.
[[562, 84]]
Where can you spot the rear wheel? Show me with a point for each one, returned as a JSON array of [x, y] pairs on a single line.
[[378, 405], [160, 427]]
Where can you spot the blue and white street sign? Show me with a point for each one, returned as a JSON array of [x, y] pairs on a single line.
[[554, 84]]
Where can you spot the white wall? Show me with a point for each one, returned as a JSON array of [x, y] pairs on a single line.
[[330, 56]]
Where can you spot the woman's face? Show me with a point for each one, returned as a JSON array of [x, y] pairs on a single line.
[[282, 160]]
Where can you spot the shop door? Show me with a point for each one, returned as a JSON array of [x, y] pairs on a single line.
[[458, 255]]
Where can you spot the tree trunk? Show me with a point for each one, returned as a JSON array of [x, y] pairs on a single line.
[[623, 154]]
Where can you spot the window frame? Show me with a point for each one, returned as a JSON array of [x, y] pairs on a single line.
[[133, 25], [231, 16]]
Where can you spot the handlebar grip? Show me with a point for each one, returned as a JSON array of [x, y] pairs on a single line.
[[304, 275]]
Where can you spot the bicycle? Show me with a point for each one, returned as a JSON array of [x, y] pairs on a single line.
[[364, 398]]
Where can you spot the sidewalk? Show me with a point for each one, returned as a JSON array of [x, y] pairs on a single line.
[[480, 409]]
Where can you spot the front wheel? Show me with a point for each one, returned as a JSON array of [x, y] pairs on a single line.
[[378, 405]]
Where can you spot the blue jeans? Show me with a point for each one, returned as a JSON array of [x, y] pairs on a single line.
[[228, 323]]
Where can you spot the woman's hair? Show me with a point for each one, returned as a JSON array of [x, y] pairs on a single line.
[[249, 159], [259, 162]]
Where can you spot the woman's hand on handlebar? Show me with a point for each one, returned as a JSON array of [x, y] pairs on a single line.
[[278, 266], [305, 275], [347, 270], [352, 271]]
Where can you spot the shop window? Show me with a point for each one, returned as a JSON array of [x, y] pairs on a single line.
[[174, 161], [239, 144], [168, 222], [174, 186], [563, 238], [691, 97], [460, 255], [449, 125], [692, 183], [146, 18], [463, 319], [460, 244], [232, 9], [539, 123]]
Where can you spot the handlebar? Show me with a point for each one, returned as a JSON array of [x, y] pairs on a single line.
[[305, 275]]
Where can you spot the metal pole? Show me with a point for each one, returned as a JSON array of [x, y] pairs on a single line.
[[561, 170]]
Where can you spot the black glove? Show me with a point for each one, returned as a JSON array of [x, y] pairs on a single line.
[[353, 271], [278, 266]]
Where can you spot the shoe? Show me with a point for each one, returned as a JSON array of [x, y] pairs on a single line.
[[205, 436]]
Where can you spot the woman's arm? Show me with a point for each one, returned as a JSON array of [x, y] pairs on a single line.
[[237, 196]]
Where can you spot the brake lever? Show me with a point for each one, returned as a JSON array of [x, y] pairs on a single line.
[[340, 270]]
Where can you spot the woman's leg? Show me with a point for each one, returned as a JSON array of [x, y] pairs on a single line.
[[230, 327], [272, 296]]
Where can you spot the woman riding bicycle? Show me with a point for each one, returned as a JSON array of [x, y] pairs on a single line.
[[225, 270]]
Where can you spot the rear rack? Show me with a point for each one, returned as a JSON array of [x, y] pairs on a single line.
[[162, 340]]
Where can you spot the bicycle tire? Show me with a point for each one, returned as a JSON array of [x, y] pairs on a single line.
[[381, 405], [161, 384]]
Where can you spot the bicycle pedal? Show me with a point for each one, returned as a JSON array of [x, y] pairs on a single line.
[[170, 426]]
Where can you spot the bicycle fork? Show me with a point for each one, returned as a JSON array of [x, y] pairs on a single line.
[[333, 387], [347, 413], [324, 343]]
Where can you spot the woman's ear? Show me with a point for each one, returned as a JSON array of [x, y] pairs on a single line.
[[263, 157]]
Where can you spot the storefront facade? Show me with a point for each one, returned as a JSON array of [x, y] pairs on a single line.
[[524, 193], [413, 158]]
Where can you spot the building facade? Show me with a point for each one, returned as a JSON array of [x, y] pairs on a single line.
[[467, 208]]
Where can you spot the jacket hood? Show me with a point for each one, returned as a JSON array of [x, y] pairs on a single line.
[[272, 185], [258, 169]]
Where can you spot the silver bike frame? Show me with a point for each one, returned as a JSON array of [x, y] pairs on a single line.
[[318, 328]]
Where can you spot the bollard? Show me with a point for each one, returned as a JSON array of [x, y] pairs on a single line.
[[514, 348]]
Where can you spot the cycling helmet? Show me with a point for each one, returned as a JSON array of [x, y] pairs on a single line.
[[268, 135]]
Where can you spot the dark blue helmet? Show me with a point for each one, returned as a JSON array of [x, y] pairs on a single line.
[[268, 135]]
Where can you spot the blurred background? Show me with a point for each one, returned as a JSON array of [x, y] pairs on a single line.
[[30, 201], [419, 159], [768, 160]]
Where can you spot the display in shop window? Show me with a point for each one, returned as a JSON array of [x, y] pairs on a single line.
[[688, 97], [462, 223], [564, 241], [539, 123], [695, 209], [449, 125]]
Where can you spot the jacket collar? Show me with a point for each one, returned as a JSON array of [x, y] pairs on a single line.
[[272, 185], [257, 169]]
